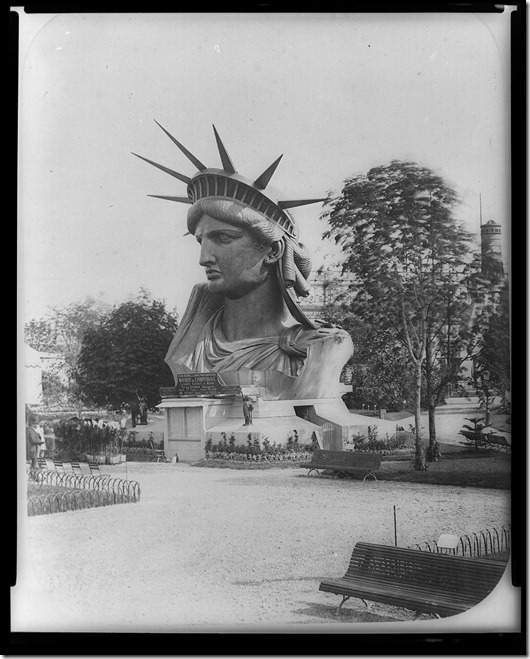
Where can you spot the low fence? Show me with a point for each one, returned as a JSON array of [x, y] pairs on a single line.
[[87, 492], [488, 543]]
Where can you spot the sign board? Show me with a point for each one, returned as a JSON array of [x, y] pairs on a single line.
[[195, 385]]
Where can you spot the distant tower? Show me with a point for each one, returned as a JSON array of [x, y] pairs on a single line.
[[491, 249]]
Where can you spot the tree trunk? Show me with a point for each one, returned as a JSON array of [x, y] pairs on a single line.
[[433, 397], [419, 461], [430, 395], [432, 424]]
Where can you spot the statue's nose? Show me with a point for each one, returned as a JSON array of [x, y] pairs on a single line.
[[207, 256]]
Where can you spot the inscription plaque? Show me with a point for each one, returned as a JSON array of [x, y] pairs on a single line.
[[197, 385]]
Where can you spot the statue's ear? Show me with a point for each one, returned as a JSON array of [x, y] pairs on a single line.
[[275, 251]]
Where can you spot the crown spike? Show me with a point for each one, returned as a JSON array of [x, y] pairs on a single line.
[[182, 200], [263, 181], [181, 177], [225, 158], [185, 151], [298, 202]]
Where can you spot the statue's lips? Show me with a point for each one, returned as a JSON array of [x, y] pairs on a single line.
[[213, 274]]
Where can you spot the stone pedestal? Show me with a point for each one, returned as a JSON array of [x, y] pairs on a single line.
[[190, 422], [187, 420]]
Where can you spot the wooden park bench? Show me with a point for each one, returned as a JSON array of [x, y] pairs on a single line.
[[487, 440], [426, 582], [497, 442], [344, 462]]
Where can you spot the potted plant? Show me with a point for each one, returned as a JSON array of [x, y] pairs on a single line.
[[113, 458], [99, 458], [96, 449], [114, 454]]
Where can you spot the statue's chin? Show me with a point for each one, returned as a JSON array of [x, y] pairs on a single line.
[[235, 290], [215, 286]]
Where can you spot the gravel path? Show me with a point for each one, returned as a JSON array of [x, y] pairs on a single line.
[[217, 548]]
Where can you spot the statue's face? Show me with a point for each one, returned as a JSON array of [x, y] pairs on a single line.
[[233, 262]]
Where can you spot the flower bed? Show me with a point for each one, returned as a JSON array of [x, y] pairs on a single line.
[[256, 451], [140, 451], [272, 458]]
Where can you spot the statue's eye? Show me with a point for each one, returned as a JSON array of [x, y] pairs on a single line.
[[224, 238]]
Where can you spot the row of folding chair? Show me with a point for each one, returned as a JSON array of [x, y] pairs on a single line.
[[75, 466]]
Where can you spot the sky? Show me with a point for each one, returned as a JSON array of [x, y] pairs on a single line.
[[335, 93]]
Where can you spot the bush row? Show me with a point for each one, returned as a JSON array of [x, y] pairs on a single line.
[[253, 447], [293, 456]]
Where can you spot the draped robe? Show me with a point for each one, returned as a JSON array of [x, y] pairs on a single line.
[[297, 363]]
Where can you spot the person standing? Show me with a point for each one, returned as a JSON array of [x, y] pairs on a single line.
[[123, 418], [246, 413], [134, 409], [42, 447], [142, 411], [33, 440]]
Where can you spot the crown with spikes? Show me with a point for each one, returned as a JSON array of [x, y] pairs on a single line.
[[226, 183]]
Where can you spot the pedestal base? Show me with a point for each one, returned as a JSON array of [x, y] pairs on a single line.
[[191, 422]]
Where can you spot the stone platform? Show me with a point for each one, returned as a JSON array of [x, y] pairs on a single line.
[[191, 422]]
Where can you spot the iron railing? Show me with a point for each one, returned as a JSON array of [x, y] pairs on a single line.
[[87, 492], [489, 543]]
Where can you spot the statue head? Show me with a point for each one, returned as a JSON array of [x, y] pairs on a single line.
[[253, 207], [251, 245]]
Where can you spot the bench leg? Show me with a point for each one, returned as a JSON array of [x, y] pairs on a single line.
[[313, 469], [370, 473], [339, 608]]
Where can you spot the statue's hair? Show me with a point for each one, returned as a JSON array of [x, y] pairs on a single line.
[[296, 262]]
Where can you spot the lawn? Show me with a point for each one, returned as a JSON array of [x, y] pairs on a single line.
[[459, 466]]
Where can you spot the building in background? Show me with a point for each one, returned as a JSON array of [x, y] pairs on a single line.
[[39, 369], [328, 288], [491, 251], [32, 376]]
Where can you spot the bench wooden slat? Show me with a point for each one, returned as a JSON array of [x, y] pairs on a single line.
[[344, 461], [404, 589], [443, 584], [403, 593], [437, 603]]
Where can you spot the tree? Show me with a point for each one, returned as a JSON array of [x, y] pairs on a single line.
[[41, 334], [71, 325], [124, 354], [62, 334], [404, 248], [380, 369], [493, 358]]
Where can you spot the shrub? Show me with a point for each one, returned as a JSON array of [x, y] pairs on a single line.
[[473, 434], [372, 444], [251, 451]]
